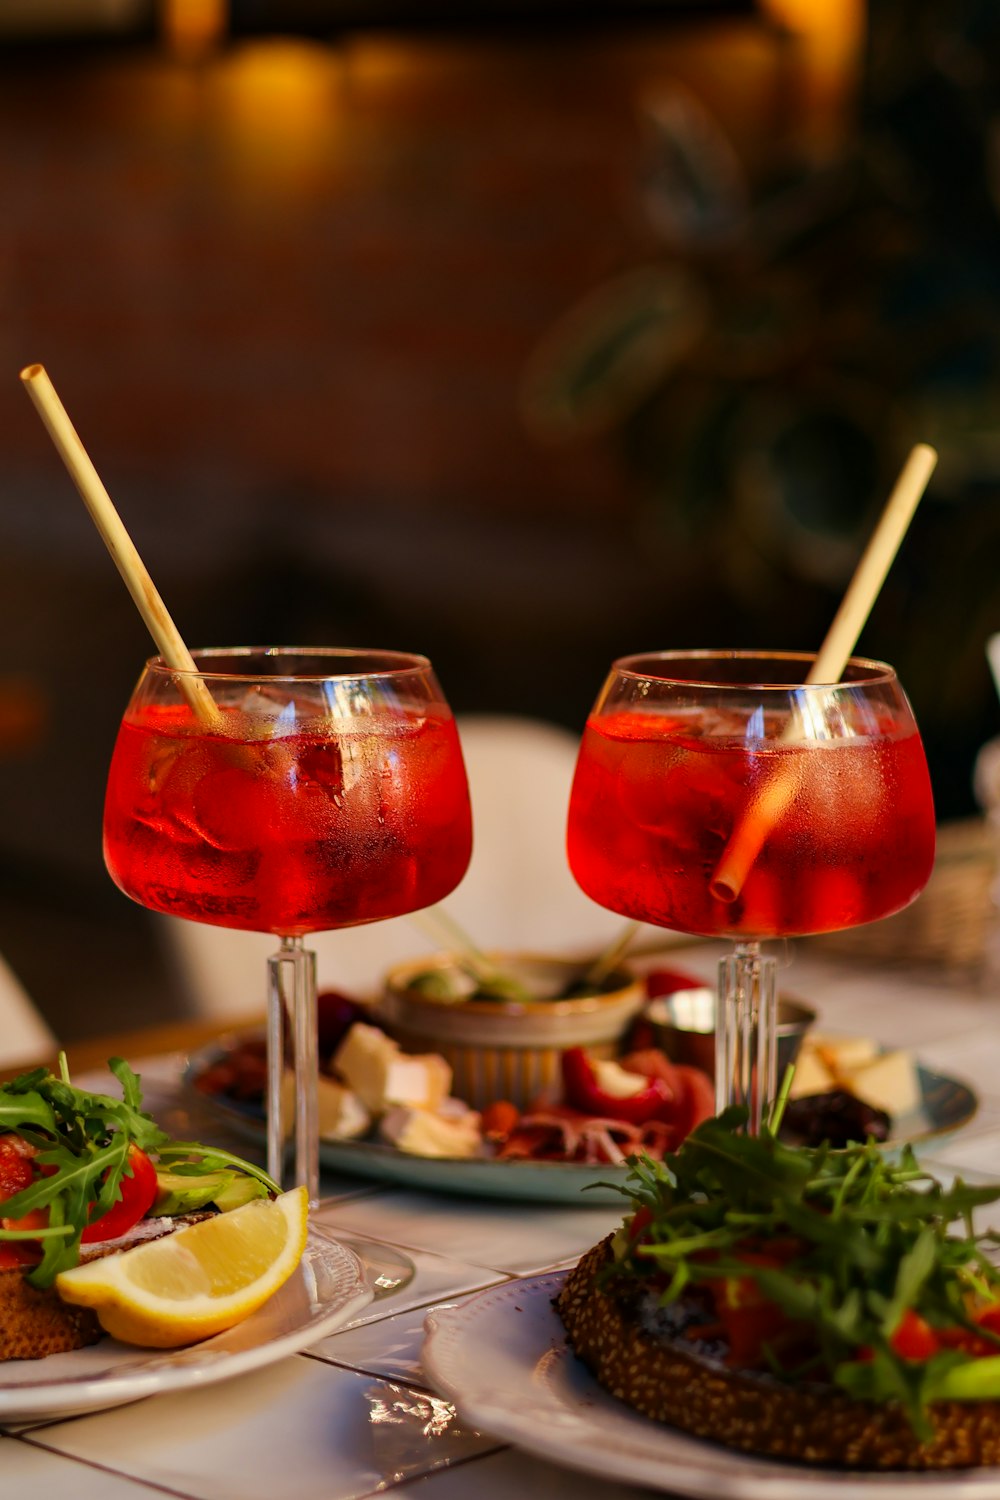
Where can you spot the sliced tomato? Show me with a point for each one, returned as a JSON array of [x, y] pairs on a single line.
[[748, 1328], [16, 1170], [16, 1173], [914, 1338], [138, 1193], [750, 1318]]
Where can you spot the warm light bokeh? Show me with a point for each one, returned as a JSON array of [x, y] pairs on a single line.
[[829, 37], [191, 28]]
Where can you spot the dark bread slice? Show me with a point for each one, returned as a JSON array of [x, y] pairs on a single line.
[[755, 1413], [35, 1323]]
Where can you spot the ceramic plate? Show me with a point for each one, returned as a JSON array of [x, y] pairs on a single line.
[[327, 1290], [501, 1358], [946, 1106]]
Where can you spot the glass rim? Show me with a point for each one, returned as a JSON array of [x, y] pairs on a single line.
[[397, 663], [627, 666]]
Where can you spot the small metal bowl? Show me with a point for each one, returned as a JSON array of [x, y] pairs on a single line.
[[683, 1025]]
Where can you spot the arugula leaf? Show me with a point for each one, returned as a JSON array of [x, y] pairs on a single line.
[[866, 1239], [916, 1265], [130, 1082], [27, 1109]]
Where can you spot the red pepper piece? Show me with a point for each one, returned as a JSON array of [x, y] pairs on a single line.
[[582, 1091], [989, 1317], [692, 1092], [669, 981], [913, 1339], [970, 1342], [651, 1062], [695, 1098]]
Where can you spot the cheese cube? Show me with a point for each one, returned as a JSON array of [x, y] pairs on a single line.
[[890, 1082], [422, 1132], [842, 1054], [811, 1076], [372, 1065], [341, 1114]]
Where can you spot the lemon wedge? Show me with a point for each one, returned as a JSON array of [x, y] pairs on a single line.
[[198, 1281]]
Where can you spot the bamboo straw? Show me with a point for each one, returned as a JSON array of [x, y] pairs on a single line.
[[109, 523], [759, 818], [608, 960], [442, 929]]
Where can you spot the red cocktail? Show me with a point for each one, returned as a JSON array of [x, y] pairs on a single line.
[[288, 791], [657, 798], [718, 793], [298, 833]]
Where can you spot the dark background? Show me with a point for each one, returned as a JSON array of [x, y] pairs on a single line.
[[523, 343]]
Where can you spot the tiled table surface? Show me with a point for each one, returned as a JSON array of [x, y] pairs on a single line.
[[354, 1416]]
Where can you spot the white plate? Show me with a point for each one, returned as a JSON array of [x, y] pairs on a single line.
[[327, 1290], [501, 1357]]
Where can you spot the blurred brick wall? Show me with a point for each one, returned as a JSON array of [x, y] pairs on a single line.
[[287, 296]]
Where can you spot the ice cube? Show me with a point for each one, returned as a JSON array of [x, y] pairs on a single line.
[[267, 713], [320, 762], [231, 808]]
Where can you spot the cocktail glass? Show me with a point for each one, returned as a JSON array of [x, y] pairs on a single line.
[[718, 793], [289, 791]]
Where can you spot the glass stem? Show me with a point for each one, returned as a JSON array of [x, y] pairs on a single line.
[[746, 1033], [292, 1133]]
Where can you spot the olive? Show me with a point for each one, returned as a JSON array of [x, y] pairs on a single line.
[[836, 1118]]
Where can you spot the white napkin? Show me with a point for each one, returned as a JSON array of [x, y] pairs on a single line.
[[24, 1036]]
